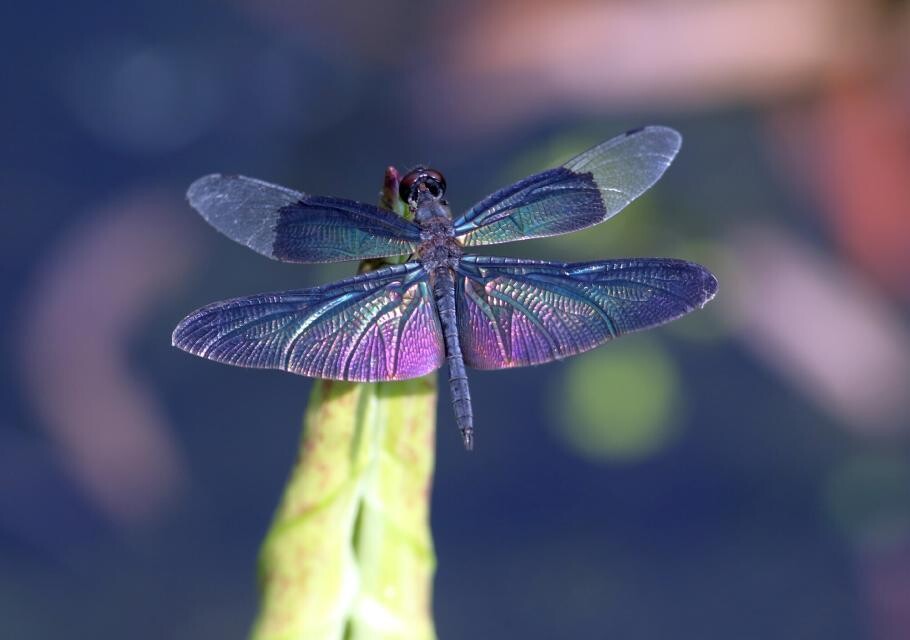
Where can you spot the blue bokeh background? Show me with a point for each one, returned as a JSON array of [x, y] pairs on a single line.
[[743, 473]]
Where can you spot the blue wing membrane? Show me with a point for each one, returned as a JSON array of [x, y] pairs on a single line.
[[290, 226], [514, 313], [377, 326], [590, 188]]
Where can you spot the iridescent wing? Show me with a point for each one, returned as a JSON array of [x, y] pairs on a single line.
[[513, 313], [377, 326], [294, 227], [586, 190]]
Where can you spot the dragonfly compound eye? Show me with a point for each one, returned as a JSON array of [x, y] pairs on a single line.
[[434, 182]]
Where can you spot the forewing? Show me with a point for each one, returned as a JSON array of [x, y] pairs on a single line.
[[378, 326], [513, 313], [294, 227], [588, 189]]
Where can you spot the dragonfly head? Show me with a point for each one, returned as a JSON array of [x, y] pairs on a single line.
[[421, 183]]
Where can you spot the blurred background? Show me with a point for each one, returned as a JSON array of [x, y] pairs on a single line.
[[743, 473]]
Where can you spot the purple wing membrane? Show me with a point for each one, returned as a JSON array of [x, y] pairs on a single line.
[[291, 226], [514, 313], [585, 191], [377, 326]]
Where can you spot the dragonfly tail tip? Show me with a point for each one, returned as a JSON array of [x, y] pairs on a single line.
[[467, 436]]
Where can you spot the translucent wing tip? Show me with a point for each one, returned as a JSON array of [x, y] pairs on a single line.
[[651, 140], [210, 195], [202, 188], [671, 137]]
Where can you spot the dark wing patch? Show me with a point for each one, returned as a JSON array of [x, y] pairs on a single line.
[[291, 226]]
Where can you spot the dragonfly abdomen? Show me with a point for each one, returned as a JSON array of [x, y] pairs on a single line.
[[444, 292]]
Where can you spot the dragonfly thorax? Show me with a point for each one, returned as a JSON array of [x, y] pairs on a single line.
[[438, 246]]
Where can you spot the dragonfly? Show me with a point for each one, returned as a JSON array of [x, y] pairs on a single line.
[[442, 305]]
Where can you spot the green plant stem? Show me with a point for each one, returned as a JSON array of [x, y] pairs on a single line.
[[349, 554]]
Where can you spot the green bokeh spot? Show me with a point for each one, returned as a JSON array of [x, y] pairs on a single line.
[[620, 402]]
